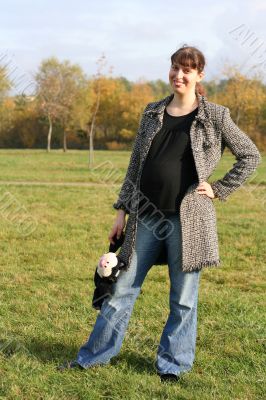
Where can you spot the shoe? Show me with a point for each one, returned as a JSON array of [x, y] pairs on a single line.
[[169, 377], [69, 365]]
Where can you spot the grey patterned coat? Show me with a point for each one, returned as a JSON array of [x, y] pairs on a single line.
[[211, 130]]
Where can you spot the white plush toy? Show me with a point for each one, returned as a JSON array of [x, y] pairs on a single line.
[[106, 274], [106, 265]]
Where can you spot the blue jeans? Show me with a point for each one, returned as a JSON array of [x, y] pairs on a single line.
[[176, 351]]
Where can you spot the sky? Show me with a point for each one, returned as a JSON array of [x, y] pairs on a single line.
[[137, 37]]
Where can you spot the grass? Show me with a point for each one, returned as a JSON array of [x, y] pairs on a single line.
[[46, 288]]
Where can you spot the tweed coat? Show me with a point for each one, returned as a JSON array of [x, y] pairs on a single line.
[[211, 131]]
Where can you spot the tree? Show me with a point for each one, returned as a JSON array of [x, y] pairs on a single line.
[[5, 83], [246, 98], [97, 88], [239, 94], [6, 104], [58, 86], [73, 81]]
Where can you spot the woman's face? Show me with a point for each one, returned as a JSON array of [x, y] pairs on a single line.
[[184, 79]]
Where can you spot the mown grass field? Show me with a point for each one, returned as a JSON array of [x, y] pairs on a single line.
[[47, 286]]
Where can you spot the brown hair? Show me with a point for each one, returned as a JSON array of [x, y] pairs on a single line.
[[189, 56]]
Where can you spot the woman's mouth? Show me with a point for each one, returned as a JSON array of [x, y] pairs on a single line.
[[178, 83]]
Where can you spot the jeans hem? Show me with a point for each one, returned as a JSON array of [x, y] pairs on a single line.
[[88, 365]]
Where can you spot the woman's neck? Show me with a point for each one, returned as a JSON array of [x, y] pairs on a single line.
[[183, 103]]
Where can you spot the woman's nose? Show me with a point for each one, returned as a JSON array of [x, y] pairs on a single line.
[[179, 73]]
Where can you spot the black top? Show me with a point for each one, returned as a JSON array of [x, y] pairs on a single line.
[[169, 168]]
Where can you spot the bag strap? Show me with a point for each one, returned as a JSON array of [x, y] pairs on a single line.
[[118, 243]]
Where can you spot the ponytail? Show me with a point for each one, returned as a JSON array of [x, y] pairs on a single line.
[[200, 89]]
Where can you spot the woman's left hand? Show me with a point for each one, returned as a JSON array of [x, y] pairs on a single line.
[[205, 188]]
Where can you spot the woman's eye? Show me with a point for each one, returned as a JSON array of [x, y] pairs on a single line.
[[185, 70]]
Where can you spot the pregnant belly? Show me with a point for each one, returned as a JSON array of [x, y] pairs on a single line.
[[159, 173]]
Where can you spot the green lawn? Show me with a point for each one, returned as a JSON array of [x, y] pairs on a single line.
[[47, 286]]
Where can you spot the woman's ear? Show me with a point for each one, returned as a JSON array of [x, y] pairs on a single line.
[[201, 75]]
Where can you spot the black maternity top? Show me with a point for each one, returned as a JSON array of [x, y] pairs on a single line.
[[169, 168]]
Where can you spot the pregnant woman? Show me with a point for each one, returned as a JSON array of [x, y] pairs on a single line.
[[169, 204]]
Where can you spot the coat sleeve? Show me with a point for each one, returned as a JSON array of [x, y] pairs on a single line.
[[129, 183], [246, 153]]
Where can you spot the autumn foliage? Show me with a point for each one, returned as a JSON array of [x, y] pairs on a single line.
[[71, 110]]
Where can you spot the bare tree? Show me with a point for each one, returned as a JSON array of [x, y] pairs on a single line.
[[101, 62]]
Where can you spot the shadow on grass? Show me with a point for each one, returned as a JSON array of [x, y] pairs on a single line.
[[135, 361], [42, 351], [57, 351]]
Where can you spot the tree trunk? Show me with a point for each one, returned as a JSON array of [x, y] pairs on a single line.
[[65, 141], [49, 133], [91, 146], [92, 127]]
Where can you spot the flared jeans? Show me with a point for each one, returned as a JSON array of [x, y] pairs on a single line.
[[176, 350]]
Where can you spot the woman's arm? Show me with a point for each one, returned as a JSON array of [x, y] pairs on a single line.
[[246, 153], [129, 183]]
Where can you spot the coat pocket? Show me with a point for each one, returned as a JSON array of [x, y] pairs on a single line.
[[205, 205]]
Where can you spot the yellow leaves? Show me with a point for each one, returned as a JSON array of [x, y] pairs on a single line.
[[126, 134], [246, 99]]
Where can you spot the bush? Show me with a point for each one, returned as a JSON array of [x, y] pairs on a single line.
[[114, 145]]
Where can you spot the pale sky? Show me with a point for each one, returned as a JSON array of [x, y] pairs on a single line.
[[137, 37]]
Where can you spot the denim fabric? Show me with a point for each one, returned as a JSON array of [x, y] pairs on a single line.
[[176, 351]]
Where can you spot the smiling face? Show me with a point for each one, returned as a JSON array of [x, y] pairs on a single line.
[[184, 78]]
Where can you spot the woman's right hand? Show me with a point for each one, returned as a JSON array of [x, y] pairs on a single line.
[[118, 226]]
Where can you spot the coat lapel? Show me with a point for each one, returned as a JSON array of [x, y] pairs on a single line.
[[203, 114]]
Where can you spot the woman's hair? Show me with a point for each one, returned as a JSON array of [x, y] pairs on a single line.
[[189, 56]]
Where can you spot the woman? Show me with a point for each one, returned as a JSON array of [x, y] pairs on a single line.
[[179, 142]]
